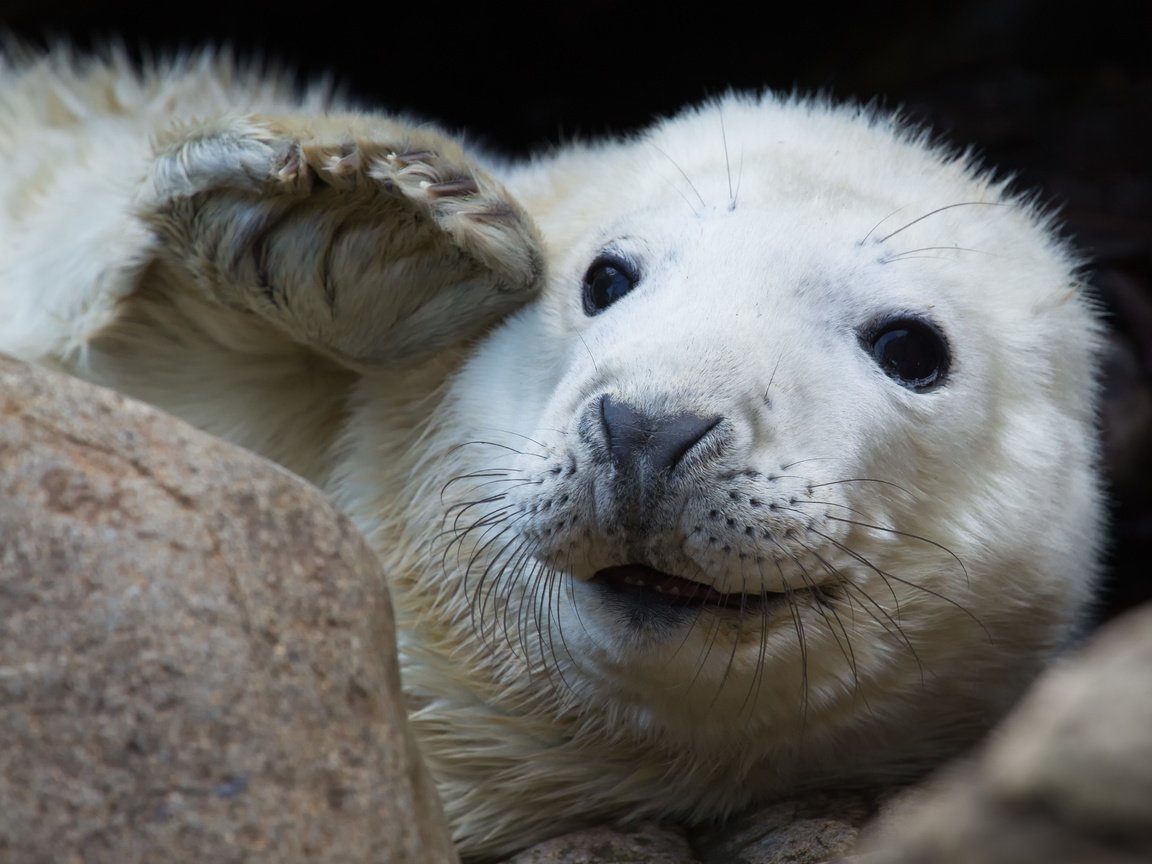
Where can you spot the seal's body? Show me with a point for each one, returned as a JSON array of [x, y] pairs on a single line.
[[752, 454]]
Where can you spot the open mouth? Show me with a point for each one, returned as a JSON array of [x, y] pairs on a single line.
[[648, 585]]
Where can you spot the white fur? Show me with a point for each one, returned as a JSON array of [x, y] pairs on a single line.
[[960, 526]]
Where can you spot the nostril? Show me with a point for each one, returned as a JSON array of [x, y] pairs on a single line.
[[622, 427], [662, 441], [682, 433]]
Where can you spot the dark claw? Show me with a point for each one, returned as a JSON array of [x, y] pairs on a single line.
[[496, 215], [403, 159], [452, 187]]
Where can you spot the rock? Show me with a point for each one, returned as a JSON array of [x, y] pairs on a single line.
[[809, 830], [644, 844], [196, 652], [1066, 778]]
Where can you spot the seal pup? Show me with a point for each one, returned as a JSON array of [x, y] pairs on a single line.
[[750, 454]]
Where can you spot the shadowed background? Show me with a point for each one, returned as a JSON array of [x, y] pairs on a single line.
[[1058, 94]]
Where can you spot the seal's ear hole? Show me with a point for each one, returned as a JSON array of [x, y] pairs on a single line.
[[608, 279], [912, 351]]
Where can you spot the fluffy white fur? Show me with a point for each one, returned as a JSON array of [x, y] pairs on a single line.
[[324, 289]]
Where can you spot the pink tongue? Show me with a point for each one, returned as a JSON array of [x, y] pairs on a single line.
[[641, 576]]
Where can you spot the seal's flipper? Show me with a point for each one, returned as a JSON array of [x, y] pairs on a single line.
[[365, 239]]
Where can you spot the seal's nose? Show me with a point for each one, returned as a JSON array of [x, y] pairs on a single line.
[[658, 443]]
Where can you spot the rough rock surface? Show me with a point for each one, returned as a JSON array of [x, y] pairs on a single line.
[[645, 844], [196, 652], [1066, 778], [813, 830]]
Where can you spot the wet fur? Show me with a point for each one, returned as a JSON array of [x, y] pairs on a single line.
[[907, 561]]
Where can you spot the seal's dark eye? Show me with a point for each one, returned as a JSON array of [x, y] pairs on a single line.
[[607, 280], [912, 352]]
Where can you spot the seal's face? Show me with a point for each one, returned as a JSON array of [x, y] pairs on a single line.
[[752, 464]]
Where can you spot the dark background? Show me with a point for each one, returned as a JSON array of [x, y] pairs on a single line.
[[1060, 94]]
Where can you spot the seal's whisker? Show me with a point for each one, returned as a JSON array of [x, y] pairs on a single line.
[[518, 635], [790, 465], [555, 595], [931, 213], [909, 536], [522, 570], [540, 579], [912, 253], [497, 445], [727, 164], [822, 503], [863, 480], [516, 434], [715, 623], [493, 567], [688, 632], [739, 177], [457, 534], [459, 478], [771, 380], [861, 559], [874, 228], [535, 581], [591, 356], [484, 523], [462, 507], [741, 620], [514, 483], [477, 590], [802, 642], [752, 696], [824, 610], [910, 257], [541, 624], [883, 618], [687, 180]]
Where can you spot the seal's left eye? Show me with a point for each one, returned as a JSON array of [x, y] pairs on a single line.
[[607, 280], [911, 351]]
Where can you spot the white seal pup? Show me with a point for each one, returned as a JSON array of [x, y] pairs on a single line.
[[753, 453]]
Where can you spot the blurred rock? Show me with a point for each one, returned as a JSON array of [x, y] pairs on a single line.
[[1066, 778], [645, 844], [810, 830], [196, 652]]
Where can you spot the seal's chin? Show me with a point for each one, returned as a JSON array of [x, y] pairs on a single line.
[[640, 583]]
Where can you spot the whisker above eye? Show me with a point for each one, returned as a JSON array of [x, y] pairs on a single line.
[[939, 210], [913, 253], [687, 180]]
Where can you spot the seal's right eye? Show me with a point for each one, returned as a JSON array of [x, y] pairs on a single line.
[[607, 280]]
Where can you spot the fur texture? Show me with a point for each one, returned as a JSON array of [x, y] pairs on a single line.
[[675, 516]]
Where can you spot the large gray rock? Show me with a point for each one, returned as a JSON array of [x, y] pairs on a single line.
[[1066, 778], [196, 652]]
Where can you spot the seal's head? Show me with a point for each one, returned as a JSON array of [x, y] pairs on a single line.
[[792, 469]]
